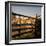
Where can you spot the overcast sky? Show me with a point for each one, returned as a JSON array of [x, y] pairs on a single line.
[[27, 10]]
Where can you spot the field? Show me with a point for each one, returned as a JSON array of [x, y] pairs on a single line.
[[24, 27]]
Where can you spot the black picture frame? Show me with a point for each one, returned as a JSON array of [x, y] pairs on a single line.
[[7, 22]]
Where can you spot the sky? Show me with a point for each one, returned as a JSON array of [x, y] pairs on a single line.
[[26, 10]]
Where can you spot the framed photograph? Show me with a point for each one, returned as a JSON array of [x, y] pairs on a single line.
[[24, 22]]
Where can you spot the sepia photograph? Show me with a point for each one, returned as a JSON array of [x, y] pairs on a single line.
[[26, 22]]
